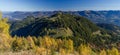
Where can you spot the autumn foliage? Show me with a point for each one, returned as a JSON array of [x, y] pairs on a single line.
[[46, 45]]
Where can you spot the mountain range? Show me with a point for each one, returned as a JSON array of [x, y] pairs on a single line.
[[109, 17], [108, 20], [63, 26], [57, 24]]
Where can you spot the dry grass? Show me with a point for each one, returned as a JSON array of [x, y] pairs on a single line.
[[32, 53], [18, 53]]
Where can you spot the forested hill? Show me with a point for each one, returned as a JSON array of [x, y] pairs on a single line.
[[56, 25], [70, 32], [63, 26]]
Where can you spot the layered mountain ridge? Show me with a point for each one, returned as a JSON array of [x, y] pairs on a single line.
[[109, 17], [59, 24], [64, 26]]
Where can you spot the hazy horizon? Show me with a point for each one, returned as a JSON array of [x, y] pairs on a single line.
[[60, 10]]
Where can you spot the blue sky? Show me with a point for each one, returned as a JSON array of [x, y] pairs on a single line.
[[51, 5]]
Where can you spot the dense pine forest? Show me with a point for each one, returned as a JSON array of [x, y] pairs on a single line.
[[59, 34]]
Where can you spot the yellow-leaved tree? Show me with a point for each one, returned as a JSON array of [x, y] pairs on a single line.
[[113, 51], [31, 42], [4, 32], [84, 50], [103, 52]]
